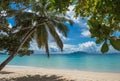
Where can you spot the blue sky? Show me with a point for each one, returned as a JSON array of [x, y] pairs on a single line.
[[78, 38], [78, 33]]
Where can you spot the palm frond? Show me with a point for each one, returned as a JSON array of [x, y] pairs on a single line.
[[41, 35], [61, 27], [55, 36], [62, 19], [42, 38]]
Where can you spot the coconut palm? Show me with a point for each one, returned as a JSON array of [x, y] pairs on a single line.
[[37, 25]]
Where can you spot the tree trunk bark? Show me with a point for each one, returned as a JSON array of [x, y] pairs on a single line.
[[3, 64]]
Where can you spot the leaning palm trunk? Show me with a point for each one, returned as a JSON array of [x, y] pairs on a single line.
[[29, 33]]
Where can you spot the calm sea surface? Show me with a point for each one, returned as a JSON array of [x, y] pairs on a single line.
[[102, 63]]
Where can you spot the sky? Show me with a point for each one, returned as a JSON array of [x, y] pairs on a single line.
[[78, 38]]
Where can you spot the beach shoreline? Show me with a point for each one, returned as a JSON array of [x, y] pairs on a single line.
[[23, 73], [66, 69]]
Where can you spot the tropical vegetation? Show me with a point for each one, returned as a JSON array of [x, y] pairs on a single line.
[[39, 19]]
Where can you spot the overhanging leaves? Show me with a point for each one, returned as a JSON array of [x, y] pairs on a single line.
[[115, 43], [104, 47]]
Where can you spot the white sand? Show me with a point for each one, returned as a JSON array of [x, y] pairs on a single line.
[[41, 74]]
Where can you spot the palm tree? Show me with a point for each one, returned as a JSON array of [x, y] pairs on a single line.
[[38, 26]]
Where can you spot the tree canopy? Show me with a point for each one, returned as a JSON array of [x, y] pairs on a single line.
[[35, 19], [103, 17], [27, 15], [103, 22]]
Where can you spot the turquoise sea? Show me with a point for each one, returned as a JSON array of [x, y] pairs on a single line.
[[85, 62]]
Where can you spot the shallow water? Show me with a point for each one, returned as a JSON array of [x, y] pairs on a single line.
[[86, 62]]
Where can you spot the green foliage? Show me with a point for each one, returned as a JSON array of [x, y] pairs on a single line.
[[25, 52], [104, 47], [61, 5], [45, 16], [103, 18], [11, 42], [115, 43]]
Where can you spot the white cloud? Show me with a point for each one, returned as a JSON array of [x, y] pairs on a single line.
[[79, 22], [92, 47], [37, 0], [10, 25], [70, 13], [88, 47], [85, 24], [33, 45], [68, 48], [28, 10], [85, 33], [112, 50], [4, 33], [3, 13]]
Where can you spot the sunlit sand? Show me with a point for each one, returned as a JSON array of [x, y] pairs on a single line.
[[15, 73]]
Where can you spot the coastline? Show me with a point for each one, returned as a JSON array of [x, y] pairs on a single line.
[[25, 73]]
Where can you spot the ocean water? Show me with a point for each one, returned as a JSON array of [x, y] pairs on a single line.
[[85, 62]]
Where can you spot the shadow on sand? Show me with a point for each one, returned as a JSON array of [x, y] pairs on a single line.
[[5, 72], [37, 78]]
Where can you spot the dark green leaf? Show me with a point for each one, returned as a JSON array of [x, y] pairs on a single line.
[[115, 43], [104, 47]]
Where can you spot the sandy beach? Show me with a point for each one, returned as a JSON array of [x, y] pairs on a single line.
[[16, 73]]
